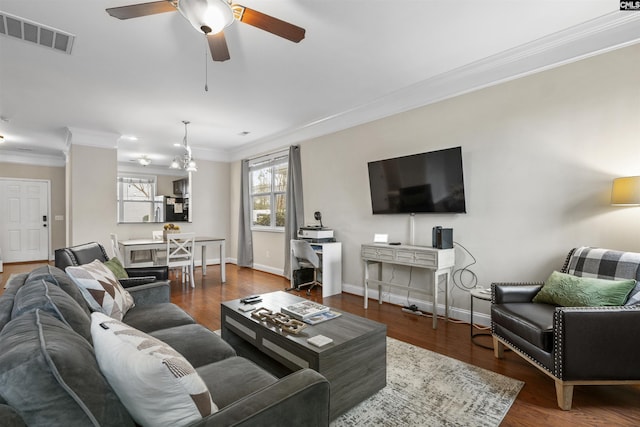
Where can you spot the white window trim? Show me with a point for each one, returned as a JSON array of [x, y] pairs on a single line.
[[254, 164]]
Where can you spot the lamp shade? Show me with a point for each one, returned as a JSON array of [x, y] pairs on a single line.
[[626, 191], [207, 15]]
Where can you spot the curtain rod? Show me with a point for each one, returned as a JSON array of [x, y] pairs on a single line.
[[273, 154]]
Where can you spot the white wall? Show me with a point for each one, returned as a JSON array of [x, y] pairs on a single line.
[[539, 156]]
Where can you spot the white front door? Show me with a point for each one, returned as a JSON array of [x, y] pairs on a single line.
[[24, 220]]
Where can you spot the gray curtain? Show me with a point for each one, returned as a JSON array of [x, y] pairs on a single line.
[[294, 216], [245, 238]]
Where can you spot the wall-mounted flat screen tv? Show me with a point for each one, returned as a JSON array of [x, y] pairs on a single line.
[[429, 182]]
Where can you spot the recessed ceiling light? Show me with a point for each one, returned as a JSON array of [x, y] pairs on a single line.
[[129, 137], [244, 133]]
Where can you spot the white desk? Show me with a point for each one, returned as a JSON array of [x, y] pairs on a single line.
[[438, 261], [128, 246], [330, 254]]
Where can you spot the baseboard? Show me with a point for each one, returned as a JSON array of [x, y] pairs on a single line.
[[400, 300], [266, 268], [423, 305]]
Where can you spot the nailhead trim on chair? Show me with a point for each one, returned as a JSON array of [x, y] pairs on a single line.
[[565, 266], [558, 326]]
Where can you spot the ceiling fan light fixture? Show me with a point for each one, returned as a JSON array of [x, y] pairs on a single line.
[[144, 161], [207, 16]]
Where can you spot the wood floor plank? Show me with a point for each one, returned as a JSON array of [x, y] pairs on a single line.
[[535, 405]]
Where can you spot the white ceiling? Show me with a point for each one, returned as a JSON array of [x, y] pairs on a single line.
[[360, 60]]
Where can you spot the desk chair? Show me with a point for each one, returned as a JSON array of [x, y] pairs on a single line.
[[159, 255], [180, 247], [303, 256], [138, 258]]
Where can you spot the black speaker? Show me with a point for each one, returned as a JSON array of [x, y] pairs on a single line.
[[442, 238]]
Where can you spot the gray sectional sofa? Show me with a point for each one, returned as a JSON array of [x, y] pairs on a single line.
[[49, 374]]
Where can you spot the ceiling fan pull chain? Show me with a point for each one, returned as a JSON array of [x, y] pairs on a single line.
[[206, 68]]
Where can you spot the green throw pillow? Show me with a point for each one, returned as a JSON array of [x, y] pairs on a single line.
[[117, 268], [573, 291]]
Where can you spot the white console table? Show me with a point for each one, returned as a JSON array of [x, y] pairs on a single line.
[[438, 261]]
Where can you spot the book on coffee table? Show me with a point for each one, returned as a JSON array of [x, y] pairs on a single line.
[[321, 317], [304, 309]]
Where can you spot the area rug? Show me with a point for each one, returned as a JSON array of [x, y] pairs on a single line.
[[428, 389]]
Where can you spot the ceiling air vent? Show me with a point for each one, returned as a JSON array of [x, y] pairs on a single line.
[[20, 28]]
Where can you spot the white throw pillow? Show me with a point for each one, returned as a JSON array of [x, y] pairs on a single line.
[[101, 289], [154, 382]]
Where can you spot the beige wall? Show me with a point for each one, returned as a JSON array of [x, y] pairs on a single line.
[[56, 176], [539, 156], [92, 194]]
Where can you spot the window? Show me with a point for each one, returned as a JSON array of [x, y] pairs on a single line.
[[136, 196], [268, 186]]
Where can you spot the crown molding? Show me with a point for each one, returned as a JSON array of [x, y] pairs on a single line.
[[37, 159], [91, 138], [609, 32]]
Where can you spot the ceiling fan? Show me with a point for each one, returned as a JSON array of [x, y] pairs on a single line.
[[211, 17]]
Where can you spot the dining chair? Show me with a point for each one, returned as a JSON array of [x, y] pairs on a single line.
[[141, 258], [159, 255], [180, 248]]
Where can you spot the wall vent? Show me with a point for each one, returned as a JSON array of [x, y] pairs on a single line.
[[23, 29]]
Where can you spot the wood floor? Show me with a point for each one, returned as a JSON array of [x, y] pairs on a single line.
[[535, 405]]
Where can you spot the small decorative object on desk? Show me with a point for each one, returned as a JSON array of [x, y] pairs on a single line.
[[321, 317], [280, 320], [304, 309]]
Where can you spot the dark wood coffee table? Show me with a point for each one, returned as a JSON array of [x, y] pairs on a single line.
[[355, 363]]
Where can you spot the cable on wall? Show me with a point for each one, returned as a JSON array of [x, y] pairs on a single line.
[[464, 273]]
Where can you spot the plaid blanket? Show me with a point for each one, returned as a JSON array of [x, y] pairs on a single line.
[[607, 264]]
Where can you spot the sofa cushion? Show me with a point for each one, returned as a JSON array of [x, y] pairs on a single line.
[[153, 317], [49, 374], [101, 289], [572, 291], [156, 384], [6, 299], [234, 378], [196, 343], [532, 322], [59, 278], [50, 298], [10, 418], [634, 296]]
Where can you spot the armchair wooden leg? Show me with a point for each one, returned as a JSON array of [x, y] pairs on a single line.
[[564, 393], [498, 348]]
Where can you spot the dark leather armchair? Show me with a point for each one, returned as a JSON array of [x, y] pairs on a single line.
[[573, 345], [146, 284], [88, 252]]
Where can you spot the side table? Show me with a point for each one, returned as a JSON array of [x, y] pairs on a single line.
[[481, 294]]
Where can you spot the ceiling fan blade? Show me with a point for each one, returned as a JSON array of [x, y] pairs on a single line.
[[218, 47], [142, 9], [269, 23]]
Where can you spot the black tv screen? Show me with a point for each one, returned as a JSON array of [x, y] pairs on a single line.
[[430, 182]]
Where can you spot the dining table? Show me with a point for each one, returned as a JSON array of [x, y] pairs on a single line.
[[131, 245]]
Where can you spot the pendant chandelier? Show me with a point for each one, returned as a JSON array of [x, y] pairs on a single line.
[[185, 161]]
